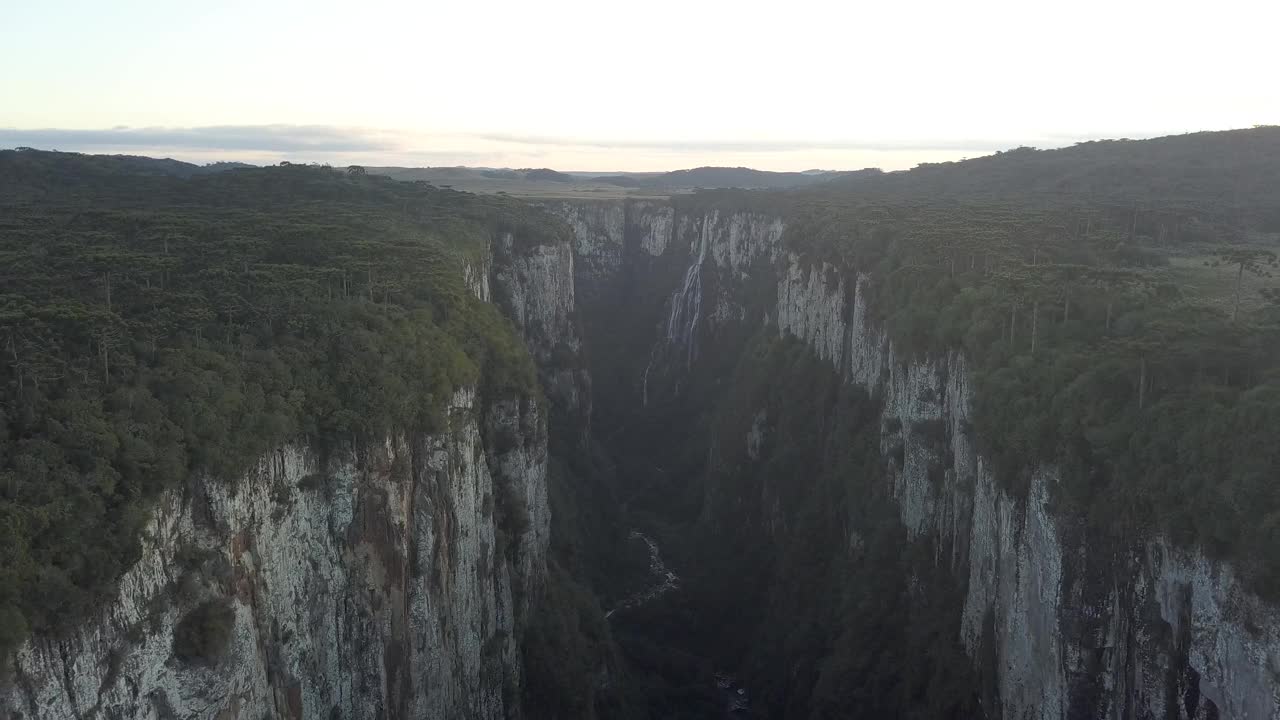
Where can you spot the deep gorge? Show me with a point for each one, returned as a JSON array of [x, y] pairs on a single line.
[[882, 488], [844, 547]]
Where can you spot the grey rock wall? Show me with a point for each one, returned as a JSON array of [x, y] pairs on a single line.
[[370, 585]]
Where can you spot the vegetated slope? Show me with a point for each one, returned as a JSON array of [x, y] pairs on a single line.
[[44, 171], [154, 326], [537, 174], [1117, 307], [1234, 170]]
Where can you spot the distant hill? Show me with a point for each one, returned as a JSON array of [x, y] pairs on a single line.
[[718, 178], [459, 171], [1228, 168], [619, 180], [738, 177], [222, 166], [547, 174], [548, 181], [123, 164], [50, 172]]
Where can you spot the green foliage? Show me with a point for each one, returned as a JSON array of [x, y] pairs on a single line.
[[569, 643], [1207, 172], [13, 626], [858, 621], [153, 326], [1087, 349], [566, 641], [202, 635]]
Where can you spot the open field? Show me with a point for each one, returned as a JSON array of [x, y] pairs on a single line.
[[546, 183], [472, 180]]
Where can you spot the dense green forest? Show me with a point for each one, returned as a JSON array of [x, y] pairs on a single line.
[[158, 321], [1147, 370], [1115, 302], [1234, 172]]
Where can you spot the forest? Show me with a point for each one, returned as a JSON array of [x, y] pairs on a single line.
[[1117, 306], [159, 320]]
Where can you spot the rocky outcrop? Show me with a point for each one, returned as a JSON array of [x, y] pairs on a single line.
[[378, 583], [598, 230], [658, 267], [1069, 627], [536, 289]]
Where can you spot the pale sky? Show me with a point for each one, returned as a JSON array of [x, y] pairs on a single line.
[[641, 85]]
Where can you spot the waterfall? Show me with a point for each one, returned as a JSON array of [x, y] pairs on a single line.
[[686, 304], [644, 388]]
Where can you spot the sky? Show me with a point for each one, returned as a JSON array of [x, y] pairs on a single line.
[[641, 86]]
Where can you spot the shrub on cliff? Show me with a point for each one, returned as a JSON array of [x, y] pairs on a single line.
[[13, 626], [202, 635], [564, 647], [513, 517]]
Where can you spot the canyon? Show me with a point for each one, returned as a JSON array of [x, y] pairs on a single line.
[[380, 582], [1058, 624]]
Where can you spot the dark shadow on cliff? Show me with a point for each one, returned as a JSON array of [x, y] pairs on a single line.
[[797, 576]]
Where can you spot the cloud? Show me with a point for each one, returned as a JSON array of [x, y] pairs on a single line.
[[335, 139], [1048, 140], [228, 138], [780, 146], [345, 145], [268, 144]]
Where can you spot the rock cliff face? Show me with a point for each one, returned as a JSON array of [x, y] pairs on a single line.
[[1079, 631], [377, 584], [1061, 626], [535, 287], [382, 581]]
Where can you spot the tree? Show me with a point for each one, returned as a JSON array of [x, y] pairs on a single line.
[[1065, 278], [1255, 261], [1116, 284]]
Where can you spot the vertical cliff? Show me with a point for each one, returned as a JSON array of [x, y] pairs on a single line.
[[535, 288], [1077, 628], [386, 579], [1057, 623], [377, 582]]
